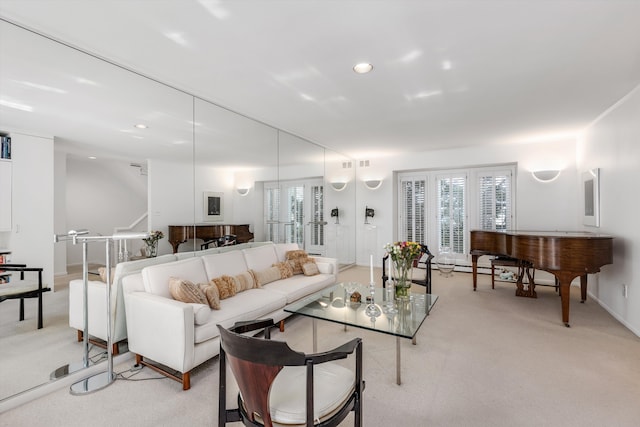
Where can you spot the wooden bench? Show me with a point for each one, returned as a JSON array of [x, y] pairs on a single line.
[[23, 289]]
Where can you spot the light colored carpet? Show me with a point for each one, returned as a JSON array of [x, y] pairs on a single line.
[[23, 345], [482, 358]]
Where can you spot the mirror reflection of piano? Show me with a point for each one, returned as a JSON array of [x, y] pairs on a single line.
[[179, 234]]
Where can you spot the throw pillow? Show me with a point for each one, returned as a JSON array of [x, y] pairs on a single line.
[[310, 269], [226, 286], [211, 292], [244, 281], [102, 271], [269, 275], [285, 269], [185, 291], [296, 259]]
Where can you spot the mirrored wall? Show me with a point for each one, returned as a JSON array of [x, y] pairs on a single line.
[[282, 187]]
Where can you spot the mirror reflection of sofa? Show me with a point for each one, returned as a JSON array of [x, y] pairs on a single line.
[[97, 306], [169, 335]]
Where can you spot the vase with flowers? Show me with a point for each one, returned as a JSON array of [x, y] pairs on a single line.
[[151, 242], [402, 256]]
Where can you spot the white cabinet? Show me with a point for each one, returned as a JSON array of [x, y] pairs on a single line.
[[5, 195]]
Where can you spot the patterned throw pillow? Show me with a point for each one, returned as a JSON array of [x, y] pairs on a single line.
[[185, 291], [244, 281], [211, 292], [310, 268], [269, 275], [297, 259], [285, 268], [226, 286]]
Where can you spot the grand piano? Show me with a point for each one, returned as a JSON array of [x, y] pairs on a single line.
[[181, 233], [566, 255]]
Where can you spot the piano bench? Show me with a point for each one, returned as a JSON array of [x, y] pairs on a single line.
[[501, 261]]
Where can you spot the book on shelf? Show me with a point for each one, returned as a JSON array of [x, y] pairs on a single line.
[[5, 147], [4, 276]]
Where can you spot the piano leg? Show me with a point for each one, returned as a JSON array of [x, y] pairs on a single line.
[[474, 263], [583, 288], [564, 279]]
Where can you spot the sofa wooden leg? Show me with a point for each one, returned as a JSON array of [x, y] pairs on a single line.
[[80, 335], [115, 349], [186, 381], [281, 326]]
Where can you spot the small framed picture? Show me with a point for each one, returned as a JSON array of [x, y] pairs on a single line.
[[591, 191], [213, 205]]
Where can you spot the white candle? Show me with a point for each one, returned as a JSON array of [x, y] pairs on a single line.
[[371, 268], [389, 270]]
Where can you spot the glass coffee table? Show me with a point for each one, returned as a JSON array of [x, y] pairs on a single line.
[[333, 305]]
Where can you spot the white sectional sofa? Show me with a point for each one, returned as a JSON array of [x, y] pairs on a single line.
[[166, 333]]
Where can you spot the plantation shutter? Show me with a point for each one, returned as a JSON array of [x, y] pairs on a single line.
[[412, 210], [317, 215], [272, 210], [495, 200], [451, 215]]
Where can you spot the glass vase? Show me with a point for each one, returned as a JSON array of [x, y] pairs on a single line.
[[402, 275], [151, 250]]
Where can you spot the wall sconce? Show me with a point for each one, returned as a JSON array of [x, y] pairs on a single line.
[[335, 213], [373, 184], [368, 213], [339, 186], [242, 191], [546, 176]]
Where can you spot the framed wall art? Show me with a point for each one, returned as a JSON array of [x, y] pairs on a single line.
[[591, 191], [213, 205]]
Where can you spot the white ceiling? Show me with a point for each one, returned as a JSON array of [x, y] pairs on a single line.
[[446, 73]]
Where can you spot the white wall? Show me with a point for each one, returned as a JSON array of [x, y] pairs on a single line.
[[31, 239], [60, 210], [539, 206], [612, 144], [100, 196]]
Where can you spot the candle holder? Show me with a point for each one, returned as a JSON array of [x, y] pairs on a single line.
[[372, 310], [390, 306]]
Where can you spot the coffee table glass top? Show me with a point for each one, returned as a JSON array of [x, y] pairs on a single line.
[[330, 305]]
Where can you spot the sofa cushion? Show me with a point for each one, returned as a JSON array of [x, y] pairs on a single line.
[[261, 257], [248, 305], [211, 292], [300, 286], [156, 277], [283, 248], [228, 263], [226, 286], [267, 275], [185, 291]]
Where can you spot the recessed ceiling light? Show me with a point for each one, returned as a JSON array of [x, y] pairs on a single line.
[[363, 68], [140, 126], [92, 157]]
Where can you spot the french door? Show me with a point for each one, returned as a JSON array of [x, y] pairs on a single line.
[[294, 213], [438, 208]]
